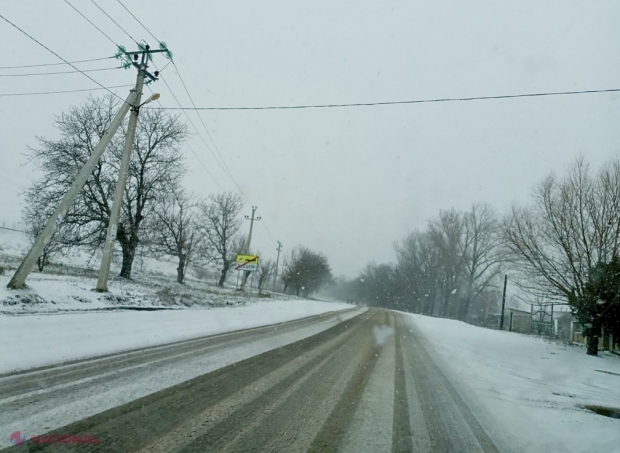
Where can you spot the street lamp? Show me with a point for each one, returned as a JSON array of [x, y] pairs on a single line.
[[153, 97]]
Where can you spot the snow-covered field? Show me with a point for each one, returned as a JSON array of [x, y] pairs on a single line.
[[534, 388], [68, 283], [35, 340]]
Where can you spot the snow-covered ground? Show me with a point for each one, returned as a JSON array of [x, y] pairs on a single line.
[[35, 340], [68, 283], [533, 388]]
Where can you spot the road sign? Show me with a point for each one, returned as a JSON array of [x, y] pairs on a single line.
[[247, 262]]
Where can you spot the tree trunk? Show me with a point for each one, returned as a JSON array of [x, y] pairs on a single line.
[[181, 268], [129, 253], [261, 282], [223, 274], [40, 263], [593, 337], [129, 244], [465, 308]]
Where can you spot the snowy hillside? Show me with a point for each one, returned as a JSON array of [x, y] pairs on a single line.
[[67, 284]]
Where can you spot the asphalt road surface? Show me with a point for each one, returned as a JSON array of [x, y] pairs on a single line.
[[365, 384]]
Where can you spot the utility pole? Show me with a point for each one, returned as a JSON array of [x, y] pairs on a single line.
[[275, 277], [108, 248], [247, 244], [19, 278], [501, 319]]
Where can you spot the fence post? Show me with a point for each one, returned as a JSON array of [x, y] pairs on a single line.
[[572, 331], [510, 325], [611, 342]]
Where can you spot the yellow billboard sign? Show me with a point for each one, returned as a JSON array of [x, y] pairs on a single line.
[[247, 259], [247, 262]]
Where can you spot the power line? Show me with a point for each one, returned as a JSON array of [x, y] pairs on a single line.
[[177, 101], [167, 64], [268, 231], [204, 125], [54, 64], [90, 22], [62, 92], [110, 17], [203, 165], [189, 119], [417, 101], [225, 167], [54, 53], [137, 20], [194, 153], [59, 72]]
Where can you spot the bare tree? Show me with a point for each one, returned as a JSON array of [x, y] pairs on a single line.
[[266, 269], [481, 250], [218, 225], [418, 266], [173, 231], [156, 164], [446, 233], [35, 215], [571, 229]]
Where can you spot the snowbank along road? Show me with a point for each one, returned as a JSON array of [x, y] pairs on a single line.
[[363, 384]]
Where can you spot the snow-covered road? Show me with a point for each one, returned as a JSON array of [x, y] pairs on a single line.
[[38, 400], [351, 380]]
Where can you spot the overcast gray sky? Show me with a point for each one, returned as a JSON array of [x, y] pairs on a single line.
[[347, 182]]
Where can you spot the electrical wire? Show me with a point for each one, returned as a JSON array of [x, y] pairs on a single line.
[[204, 125], [190, 120], [137, 20], [62, 92], [268, 230], [163, 69], [59, 72], [195, 155], [417, 101], [191, 149], [89, 21], [225, 167], [55, 64], [110, 17], [54, 53], [203, 165]]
